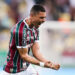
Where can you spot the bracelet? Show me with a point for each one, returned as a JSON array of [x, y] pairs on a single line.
[[42, 64]]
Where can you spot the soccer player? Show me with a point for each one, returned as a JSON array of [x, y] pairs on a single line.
[[25, 37]]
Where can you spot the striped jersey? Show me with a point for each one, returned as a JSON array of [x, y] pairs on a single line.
[[21, 37]]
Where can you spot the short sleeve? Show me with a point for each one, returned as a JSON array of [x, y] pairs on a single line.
[[20, 38]]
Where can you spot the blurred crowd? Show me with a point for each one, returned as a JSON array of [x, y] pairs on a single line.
[[11, 11], [59, 10]]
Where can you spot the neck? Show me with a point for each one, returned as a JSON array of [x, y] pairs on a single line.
[[28, 21]]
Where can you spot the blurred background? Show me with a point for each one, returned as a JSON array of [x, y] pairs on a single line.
[[59, 43]]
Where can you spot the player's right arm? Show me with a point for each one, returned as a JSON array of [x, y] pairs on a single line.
[[21, 44], [24, 55]]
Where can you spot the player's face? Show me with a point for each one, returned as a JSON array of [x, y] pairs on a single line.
[[39, 18]]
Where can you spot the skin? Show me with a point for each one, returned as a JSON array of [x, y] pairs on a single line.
[[36, 20]]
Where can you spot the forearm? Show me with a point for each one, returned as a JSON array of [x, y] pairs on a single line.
[[30, 59], [37, 53], [24, 55], [40, 57]]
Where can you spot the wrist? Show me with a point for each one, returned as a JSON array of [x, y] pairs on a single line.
[[42, 64]]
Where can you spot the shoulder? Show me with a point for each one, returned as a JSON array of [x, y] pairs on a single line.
[[19, 26], [16, 27]]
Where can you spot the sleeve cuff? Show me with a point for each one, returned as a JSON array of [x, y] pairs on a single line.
[[21, 46], [25, 46], [36, 40]]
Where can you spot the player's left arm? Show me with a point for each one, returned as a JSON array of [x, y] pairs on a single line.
[[37, 53], [40, 57]]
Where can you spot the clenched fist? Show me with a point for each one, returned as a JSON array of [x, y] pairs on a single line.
[[52, 66], [55, 66]]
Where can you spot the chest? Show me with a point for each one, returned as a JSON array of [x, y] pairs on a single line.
[[30, 35]]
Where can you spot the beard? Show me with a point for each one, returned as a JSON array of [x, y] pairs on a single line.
[[39, 23]]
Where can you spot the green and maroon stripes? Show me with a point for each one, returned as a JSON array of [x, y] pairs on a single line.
[[20, 43], [34, 33], [24, 43], [10, 53], [21, 35], [16, 52], [32, 36], [18, 38], [17, 33]]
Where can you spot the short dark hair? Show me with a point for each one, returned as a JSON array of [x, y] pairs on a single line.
[[37, 8]]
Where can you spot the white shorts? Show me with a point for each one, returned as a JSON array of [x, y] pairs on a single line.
[[30, 71]]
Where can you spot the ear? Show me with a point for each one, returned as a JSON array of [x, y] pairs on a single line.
[[31, 14]]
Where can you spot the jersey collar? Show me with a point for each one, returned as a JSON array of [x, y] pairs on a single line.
[[26, 23]]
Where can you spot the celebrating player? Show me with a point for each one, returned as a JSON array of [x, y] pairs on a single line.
[[25, 37]]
